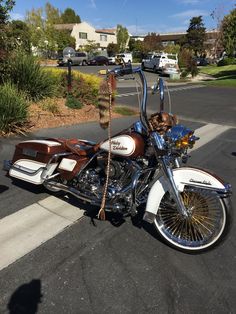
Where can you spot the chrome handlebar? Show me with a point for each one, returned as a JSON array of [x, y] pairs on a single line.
[[126, 70]]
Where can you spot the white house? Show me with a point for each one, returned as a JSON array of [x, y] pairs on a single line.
[[84, 32]]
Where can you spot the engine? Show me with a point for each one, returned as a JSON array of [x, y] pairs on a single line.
[[91, 181]]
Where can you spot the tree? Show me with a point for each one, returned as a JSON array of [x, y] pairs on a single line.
[[20, 34], [6, 44], [228, 30], [44, 37], [171, 48], [64, 39], [196, 34], [152, 42], [69, 16], [36, 26], [122, 36], [91, 47], [217, 15], [136, 46], [53, 15], [5, 7], [112, 49]]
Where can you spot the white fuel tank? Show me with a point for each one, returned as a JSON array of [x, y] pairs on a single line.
[[125, 145]]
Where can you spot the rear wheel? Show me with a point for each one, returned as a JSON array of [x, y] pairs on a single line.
[[205, 225]]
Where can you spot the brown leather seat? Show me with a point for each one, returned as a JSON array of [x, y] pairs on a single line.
[[81, 148]]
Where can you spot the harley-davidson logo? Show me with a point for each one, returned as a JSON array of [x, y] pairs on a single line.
[[116, 145], [200, 182]]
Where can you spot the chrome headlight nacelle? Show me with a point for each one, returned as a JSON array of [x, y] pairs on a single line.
[[179, 137]]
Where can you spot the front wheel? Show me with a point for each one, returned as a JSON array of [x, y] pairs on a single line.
[[205, 226]]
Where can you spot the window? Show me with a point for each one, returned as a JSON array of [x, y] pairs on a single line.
[[80, 54], [103, 37], [173, 57], [83, 35]]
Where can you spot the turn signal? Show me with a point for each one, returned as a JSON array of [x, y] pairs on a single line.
[[183, 142]]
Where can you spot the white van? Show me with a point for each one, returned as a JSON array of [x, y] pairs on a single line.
[[158, 61], [124, 57]]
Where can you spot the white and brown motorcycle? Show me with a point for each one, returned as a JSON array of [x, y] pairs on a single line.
[[138, 167]]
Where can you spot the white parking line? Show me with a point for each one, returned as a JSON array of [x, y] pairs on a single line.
[[171, 89], [207, 133], [28, 228]]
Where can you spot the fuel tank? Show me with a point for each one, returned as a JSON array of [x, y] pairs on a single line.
[[125, 145]]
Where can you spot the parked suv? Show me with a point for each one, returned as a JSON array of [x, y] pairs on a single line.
[[157, 61], [123, 57], [77, 59]]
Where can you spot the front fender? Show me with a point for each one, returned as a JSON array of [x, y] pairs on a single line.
[[186, 176]]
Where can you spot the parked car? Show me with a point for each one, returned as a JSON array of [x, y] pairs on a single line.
[[112, 60], [98, 60], [124, 57], [157, 61], [77, 59], [170, 68], [201, 61]]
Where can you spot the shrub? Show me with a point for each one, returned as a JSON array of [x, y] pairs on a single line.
[[27, 74], [192, 67], [226, 61], [184, 73], [187, 63], [72, 102], [84, 87], [13, 109], [49, 105]]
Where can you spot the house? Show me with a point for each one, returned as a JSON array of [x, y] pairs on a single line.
[[212, 45], [84, 32]]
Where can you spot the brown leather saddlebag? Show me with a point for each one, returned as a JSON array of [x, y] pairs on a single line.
[[38, 150]]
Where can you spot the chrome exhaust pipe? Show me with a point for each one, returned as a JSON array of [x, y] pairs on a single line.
[[79, 195]]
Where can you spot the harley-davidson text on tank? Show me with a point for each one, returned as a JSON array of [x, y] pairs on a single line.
[[125, 145]]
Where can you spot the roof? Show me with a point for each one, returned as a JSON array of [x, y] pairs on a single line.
[[64, 26], [177, 36], [110, 31]]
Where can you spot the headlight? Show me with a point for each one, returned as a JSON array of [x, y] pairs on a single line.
[[180, 137]]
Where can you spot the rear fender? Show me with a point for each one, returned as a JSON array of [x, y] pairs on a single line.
[[186, 176]]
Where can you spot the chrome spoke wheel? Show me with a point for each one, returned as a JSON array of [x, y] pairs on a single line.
[[203, 225]]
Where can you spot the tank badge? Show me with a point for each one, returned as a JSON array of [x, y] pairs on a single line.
[[116, 145]]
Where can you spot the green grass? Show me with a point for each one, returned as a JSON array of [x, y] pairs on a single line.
[[225, 75], [125, 111]]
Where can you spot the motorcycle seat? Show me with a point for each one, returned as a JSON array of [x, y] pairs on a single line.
[[79, 147]]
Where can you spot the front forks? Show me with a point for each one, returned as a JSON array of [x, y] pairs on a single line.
[[167, 171]]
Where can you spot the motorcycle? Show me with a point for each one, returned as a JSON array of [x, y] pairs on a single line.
[[139, 167]]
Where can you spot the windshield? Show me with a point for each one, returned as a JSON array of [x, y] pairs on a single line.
[[173, 57]]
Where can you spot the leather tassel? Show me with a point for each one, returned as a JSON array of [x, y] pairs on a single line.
[[104, 99]]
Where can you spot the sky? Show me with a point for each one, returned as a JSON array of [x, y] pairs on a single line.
[[138, 16]]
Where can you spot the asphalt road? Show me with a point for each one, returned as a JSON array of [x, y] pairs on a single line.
[[121, 266]]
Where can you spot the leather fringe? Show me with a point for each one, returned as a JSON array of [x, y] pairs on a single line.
[[104, 99]]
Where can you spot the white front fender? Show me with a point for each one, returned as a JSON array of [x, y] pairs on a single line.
[[182, 176]]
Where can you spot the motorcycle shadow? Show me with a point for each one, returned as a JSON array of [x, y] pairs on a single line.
[[35, 189], [114, 218], [91, 211]]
